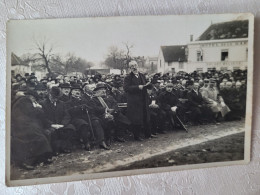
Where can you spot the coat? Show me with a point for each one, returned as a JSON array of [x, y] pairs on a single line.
[[194, 100], [28, 140], [56, 114], [137, 100]]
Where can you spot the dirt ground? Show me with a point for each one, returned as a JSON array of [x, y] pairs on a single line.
[[199, 145]]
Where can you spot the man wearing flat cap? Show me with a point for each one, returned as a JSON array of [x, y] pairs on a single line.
[[135, 86]]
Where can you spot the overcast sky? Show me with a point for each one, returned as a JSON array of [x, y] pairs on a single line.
[[90, 38]]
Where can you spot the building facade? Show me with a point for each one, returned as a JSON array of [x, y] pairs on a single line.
[[223, 46]]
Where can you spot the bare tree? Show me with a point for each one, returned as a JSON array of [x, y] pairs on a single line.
[[44, 52], [119, 58], [128, 54]]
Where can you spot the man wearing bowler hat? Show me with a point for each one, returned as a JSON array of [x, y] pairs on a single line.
[[65, 89], [57, 120], [84, 118], [111, 118]]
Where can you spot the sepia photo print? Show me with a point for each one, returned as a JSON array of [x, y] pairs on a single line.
[[116, 96]]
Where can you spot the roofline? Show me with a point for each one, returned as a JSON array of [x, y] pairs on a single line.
[[218, 40], [172, 45]]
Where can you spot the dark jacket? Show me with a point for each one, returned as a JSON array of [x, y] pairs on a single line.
[[137, 100], [194, 100], [55, 114], [167, 100], [28, 138]]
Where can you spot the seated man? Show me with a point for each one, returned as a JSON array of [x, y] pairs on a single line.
[[112, 116], [65, 89], [29, 143], [154, 112], [168, 103], [214, 101], [84, 118], [196, 104], [57, 120]]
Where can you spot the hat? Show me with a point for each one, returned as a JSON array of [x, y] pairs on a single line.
[[40, 86], [55, 92], [31, 77], [75, 86], [169, 85], [64, 85], [100, 86], [18, 75], [189, 83]]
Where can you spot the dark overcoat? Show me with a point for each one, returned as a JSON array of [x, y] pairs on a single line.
[[137, 100], [28, 140], [55, 114]]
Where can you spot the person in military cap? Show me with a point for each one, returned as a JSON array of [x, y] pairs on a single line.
[[65, 89], [214, 101]]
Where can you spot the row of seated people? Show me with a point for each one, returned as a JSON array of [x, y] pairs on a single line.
[[48, 121]]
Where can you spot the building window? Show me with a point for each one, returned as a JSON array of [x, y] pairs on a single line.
[[160, 63], [199, 69], [173, 70], [181, 65], [224, 55], [199, 56]]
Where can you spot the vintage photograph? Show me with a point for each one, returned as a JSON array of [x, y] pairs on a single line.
[[113, 96]]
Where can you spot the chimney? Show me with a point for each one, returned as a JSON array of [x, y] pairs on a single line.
[[191, 38]]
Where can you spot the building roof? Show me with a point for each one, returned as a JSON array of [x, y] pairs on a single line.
[[15, 60], [174, 53], [226, 30]]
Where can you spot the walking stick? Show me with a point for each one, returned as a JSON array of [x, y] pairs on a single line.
[[90, 124], [182, 125]]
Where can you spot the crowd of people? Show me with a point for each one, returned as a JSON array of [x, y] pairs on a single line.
[[52, 115]]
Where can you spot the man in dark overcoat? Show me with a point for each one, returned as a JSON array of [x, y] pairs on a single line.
[[57, 120], [137, 101], [85, 118], [196, 104], [112, 118]]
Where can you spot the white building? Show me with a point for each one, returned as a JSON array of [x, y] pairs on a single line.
[[151, 64], [172, 59], [223, 46], [18, 66]]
